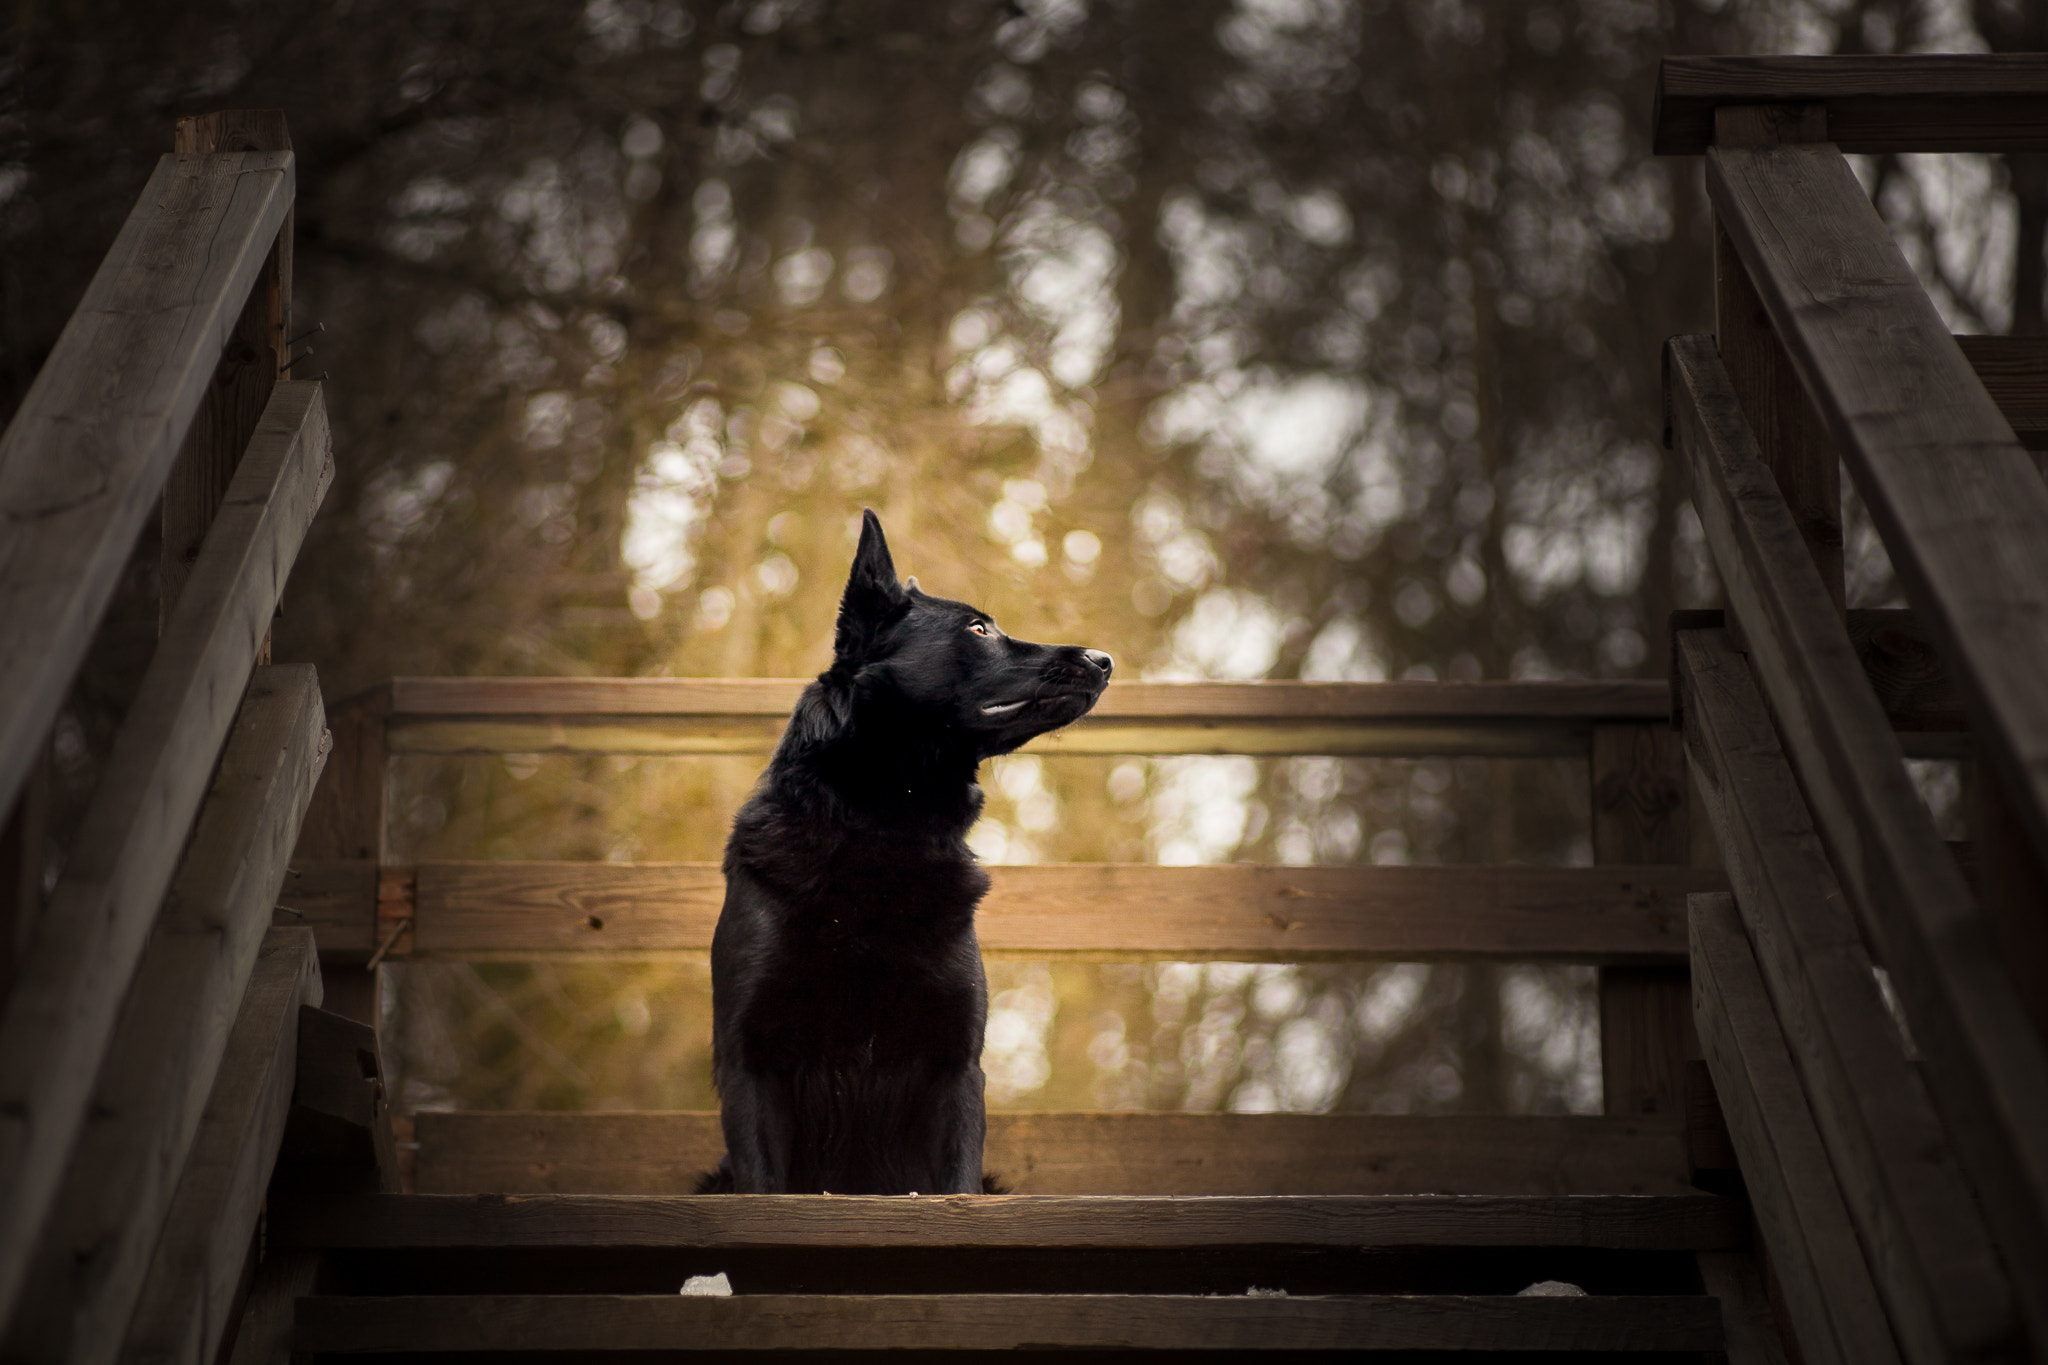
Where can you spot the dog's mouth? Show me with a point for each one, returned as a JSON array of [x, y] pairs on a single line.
[[1004, 708]]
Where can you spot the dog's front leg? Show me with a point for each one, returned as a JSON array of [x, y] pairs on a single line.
[[966, 1134], [759, 1133]]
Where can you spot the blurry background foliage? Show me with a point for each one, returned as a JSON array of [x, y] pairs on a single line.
[[1242, 338]]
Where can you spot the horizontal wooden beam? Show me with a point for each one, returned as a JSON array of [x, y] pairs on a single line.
[[2014, 371], [1928, 1244], [66, 996], [1100, 1153], [1946, 102], [506, 911], [746, 715], [83, 460], [195, 1272], [1960, 505], [995, 1322], [1819, 1265], [175, 1028], [1989, 1071], [1686, 1222]]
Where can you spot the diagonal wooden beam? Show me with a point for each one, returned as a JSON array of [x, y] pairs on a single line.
[[186, 1300], [1963, 511], [84, 457], [174, 1027], [1806, 1228], [61, 1011], [1928, 1245], [1989, 1072]]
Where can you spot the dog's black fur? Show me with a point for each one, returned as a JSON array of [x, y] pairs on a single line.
[[848, 1000]]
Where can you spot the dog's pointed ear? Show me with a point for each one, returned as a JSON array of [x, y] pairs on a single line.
[[873, 597]]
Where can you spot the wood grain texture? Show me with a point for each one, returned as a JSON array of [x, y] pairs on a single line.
[[509, 911], [1098, 1153], [62, 1008], [1918, 1221], [250, 365], [86, 453], [1640, 816], [346, 821], [338, 1135], [174, 1028], [974, 1322], [182, 1314], [1989, 1068], [1960, 505], [1789, 433], [2014, 371], [1835, 1310], [735, 715], [1688, 1222], [1913, 103]]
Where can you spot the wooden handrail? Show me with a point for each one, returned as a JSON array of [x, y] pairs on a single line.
[[67, 996], [1963, 510], [1932, 102], [87, 453], [526, 911], [746, 715]]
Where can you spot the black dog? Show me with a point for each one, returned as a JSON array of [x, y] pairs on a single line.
[[848, 999]]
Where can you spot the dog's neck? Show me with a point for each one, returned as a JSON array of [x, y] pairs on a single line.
[[882, 761]]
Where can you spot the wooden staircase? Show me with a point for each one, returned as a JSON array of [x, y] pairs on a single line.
[[198, 1162]]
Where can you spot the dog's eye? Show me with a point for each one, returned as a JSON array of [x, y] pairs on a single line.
[[978, 627]]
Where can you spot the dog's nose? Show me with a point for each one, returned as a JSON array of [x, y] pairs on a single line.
[[1100, 660]]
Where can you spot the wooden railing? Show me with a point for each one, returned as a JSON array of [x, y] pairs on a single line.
[[1899, 1170], [150, 1029]]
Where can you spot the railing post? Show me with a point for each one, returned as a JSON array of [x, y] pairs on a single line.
[[346, 820], [1795, 445], [1640, 816], [250, 366]]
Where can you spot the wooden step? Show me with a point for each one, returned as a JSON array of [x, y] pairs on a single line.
[[523, 1323], [1101, 1153], [1684, 1222]]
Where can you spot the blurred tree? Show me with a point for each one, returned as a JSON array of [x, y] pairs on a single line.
[[1244, 338]]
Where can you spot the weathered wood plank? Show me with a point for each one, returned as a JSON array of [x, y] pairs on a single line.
[[62, 1008], [347, 821], [250, 365], [173, 1028], [735, 715], [509, 911], [338, 1135], [181, 1317], [1835, 1310], [767, 1322], [1099, 1153], [81, 463], [1689, 1222], [1988, 1066], [1948, 102], [1639, 816], [2014, 371], [1959, 503], [1789, 433], [1927, 1243]]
